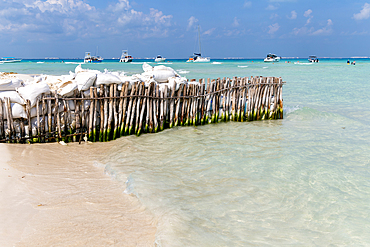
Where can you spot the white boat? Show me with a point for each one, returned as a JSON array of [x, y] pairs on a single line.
[[125, 57], [9, 60], [92, 59], [197, 57], [159, 59], [271, 58], [313, 59]]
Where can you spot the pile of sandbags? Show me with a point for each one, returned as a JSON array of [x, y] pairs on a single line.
[[21, 88]]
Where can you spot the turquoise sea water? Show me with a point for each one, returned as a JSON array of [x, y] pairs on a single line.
[[300, 181]]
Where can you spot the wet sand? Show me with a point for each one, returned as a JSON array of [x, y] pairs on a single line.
[[53, 195]]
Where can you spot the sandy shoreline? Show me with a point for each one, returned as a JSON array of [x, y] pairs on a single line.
[[54, 196]]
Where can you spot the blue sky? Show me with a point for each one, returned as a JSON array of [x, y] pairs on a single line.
[[238, 28]]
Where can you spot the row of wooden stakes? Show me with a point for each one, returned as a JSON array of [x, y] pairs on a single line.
[[112, 111]]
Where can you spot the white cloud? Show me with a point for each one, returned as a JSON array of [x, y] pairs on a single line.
[[76, 19], [293, 15], [311, 31], [325, 30], [307, 13], [236, 22], [273, 28], [271, 7], [209, 32], [247, 4], [364, 13], [274, 16], [192, 20], [122, 5]]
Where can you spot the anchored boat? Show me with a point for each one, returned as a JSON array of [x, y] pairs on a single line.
[[159, 58], [313, 59], [197, 57], [92, 59], [271, 58], [9, 60], [125, 57]]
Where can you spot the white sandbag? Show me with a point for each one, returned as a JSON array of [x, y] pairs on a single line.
[[32, 91], [67, 89], [146, 67], [79, 69], [106, 79], [160, 76], [162, 67], [53, 81], [160, 73], [10, 84], [18, 111], [14, 97], [36, 79], [85, 80]]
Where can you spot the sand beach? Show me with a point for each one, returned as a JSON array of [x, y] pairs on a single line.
[[53, 195]]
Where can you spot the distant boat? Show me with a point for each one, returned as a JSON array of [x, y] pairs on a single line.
[[313, 59], [92, 59], [159, 58], [271, 58], [197, 57], [9, 60], [125, 57]]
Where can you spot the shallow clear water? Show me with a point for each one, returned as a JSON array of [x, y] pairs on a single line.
[[303, 180]]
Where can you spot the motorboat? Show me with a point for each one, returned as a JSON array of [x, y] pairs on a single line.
[[271, 58], [125, 57], [159, 59], [313, 59], [92, 59], [9, 60], [197, 57]]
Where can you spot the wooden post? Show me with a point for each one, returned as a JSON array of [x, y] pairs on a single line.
[[155, 109], [68, 122], [91, 114], [82, 115], [50, 125], [95, 90], [162, 115], [43, 124], [77, 117], [165, 105], [58, 117], [110, 111], [172, 106], [178, 104], [101, 129], [148, 114], [196, 101], [38, 128], [138, 130], [124, 113], [120, 110], [9, 122], [201, 102], [106, 106], [129, 109], [1, 120], [184, 103], [138, 105], [115, 114]]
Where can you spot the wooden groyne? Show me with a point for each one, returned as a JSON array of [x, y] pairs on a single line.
[[111, 111]]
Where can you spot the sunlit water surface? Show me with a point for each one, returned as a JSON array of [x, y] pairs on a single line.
[[303, 180]]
